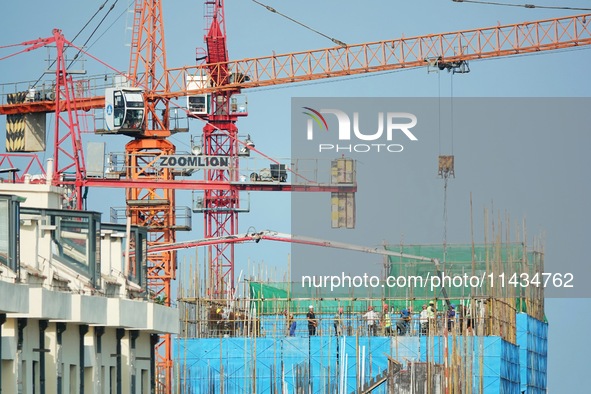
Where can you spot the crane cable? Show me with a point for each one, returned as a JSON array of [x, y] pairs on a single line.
[[445, 174], [111, 25], [78, 34], [336, 41], [445, 179], [439, 109], [522, 5], [451, 79], [91, 18], [95, 29]]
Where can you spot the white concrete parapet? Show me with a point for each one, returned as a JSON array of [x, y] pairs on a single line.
[[14, 298]]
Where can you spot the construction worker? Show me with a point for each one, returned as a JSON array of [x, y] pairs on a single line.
[[292, 326], [372, 319], [338, 322], [423, 320], [451, 317], [432, 316], [387, 323], [403, 323], [290, 323], [312, 322]]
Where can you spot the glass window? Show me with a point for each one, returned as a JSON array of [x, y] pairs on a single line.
[[138, 246], [118, 117], [75, 241], [4, 232], [134, 119], [197, 104], [118, 100], [134, 99], [10, 232]]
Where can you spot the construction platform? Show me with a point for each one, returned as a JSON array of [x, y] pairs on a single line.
[[494, 342]]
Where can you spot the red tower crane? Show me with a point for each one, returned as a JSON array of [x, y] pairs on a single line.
[[220, 138], [150, 189], [68, 167]]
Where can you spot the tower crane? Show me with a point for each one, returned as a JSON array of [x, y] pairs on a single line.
[[220, 138], [139, 107]]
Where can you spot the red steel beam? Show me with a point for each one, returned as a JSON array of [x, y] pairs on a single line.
[[212, 185], [84, 104], [387, 55], [482, 43]]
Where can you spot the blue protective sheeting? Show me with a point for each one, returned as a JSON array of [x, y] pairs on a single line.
[[498, 359], [275, 364], [532, 338], [510, 378]]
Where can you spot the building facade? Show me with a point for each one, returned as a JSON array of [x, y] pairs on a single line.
[[75, 312]]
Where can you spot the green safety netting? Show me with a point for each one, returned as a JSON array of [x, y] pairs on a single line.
[[482, 261], [495, 263], [275, 298]]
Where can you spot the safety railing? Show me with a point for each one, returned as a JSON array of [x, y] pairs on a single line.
[[223, 322]]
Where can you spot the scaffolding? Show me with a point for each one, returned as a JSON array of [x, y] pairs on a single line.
[[344, 364], [494, 341]]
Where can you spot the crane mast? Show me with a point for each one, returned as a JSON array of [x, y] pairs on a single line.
[[151, 206], [67, 151], [67, 168], [220, 138]]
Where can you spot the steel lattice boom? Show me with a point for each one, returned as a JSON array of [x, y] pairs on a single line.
[[483, 43]]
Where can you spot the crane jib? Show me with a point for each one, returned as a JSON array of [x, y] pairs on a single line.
[[193, 162]]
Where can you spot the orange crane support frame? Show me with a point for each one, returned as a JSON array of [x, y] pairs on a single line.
[[485, 43]]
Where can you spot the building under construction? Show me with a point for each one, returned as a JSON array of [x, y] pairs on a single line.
[[495, 341], [485, 334]]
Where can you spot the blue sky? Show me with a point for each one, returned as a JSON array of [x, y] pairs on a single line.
[[254, 31]]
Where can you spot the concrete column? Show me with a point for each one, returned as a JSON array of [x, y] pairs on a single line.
[[59, 330], [83, 329], [42, 327], [98, 378], [120, 335], [133, 335], [21, 324], [2, 321], [154, 339]]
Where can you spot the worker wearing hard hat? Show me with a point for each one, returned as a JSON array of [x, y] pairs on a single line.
[[312, 322], [431, 316], [338, 322], [372, 319], [451, 317]]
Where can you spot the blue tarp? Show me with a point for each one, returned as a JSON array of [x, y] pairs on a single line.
[[285, 360], [272, 363], [498, 359], [532, 338]]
